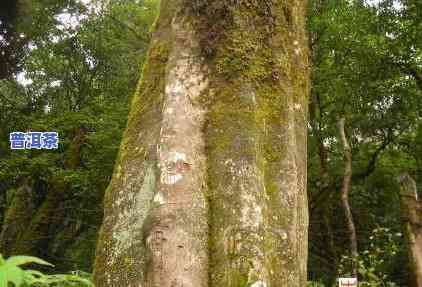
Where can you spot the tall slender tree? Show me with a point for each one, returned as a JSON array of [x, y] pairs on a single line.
[[210, 185], [412, 219], [344, 197]]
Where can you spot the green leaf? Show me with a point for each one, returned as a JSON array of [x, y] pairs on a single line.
[[35, 273], [34, 276], [67, 278], [10, 274], [3, 280], [22, 260]]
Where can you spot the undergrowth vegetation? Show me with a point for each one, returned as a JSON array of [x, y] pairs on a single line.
[[13, 274]]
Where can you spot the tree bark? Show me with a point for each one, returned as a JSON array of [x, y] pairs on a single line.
[[17, 215], [345, 189], [412, 221], [210, 185], [321, 207]]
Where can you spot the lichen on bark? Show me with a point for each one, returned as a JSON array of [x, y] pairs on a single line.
[[155, 224], [256, 141]]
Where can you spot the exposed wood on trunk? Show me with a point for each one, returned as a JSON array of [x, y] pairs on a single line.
[[345, 190], [412, 220], [155, 228]]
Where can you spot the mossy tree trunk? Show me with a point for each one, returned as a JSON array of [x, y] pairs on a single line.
[[210, 185], [412, 222], [16, 218], [38, 220]]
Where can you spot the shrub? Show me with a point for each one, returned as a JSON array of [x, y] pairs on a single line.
[[12, 274]]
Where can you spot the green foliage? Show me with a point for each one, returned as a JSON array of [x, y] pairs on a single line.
[[12, 273], [367, 68], [79, 82], [75, 279], [373, 262], [315, 284]]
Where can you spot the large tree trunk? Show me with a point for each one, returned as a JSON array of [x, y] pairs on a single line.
[[210, 186], [412, 221]]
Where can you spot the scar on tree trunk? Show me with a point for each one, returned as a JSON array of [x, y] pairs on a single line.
[[345, 189]]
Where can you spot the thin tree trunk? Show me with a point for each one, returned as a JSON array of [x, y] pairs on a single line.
[[412, 221], [324, 210], [210, 186], [345, 188]]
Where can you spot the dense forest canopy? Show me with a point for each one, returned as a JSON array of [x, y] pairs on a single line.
[[73, 67], [77, 80]]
